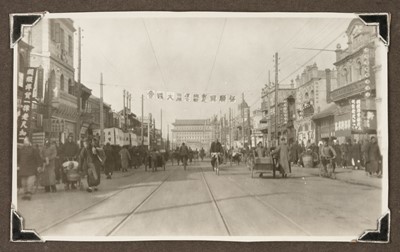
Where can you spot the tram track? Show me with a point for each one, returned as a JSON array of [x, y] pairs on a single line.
[[129, 215], [109, 197], [215, 202], [287, 218]]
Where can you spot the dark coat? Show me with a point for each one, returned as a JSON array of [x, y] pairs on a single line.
[[216, 147], [356, 151], [70, 149], [28, 160]]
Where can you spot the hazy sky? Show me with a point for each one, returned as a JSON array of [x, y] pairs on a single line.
[[203, 55]]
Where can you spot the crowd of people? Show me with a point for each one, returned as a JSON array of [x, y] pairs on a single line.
[[68, 163]]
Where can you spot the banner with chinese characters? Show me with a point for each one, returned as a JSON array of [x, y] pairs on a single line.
[[25, 112], [190, 97], [356, 114]]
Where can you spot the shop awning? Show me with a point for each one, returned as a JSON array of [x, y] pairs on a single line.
[[329, 111]]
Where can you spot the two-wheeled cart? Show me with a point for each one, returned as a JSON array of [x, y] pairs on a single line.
[[157, 160], [263, 165]]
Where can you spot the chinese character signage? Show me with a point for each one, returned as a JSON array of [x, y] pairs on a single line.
[[189, 97], [24, 114], [356, 114]]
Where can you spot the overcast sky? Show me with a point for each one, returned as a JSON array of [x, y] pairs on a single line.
[[203, 55]]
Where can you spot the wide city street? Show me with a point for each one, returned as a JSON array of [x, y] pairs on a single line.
[[197, 202]]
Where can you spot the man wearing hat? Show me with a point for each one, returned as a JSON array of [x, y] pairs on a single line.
[[70, 152]]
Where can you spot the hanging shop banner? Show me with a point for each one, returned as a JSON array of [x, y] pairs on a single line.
[[24, 114], [356, 114], [189, 97], [57, 125], [343, 125]]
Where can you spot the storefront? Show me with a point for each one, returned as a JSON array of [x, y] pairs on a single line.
[[325, 124]]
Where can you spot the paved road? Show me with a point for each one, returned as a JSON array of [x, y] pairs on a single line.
[[196, 202]]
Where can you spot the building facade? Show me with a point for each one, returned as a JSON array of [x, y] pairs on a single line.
[[312, 97], [196, 133], [355, 91], [52, 42]]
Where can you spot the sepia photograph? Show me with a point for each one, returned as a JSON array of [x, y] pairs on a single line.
[[226, 126]]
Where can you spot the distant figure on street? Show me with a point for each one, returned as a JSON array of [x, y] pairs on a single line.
[[202, 153], [91, 164], [283, 151], [374, 158], [28, 163], [110, 161], [356, 155], [327, 155], [125, 158], [184, 153], [49, 154], [216, 147], [70, 152]]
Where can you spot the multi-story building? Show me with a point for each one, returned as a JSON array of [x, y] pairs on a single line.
[[311, 98], [269, 120], [195, 133], [52, 43], [355, 91]]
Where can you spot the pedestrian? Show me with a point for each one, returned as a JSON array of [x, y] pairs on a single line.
[[364, 153], [69, 152], [259, 151], [184, 153], [91, 163], [49, 154], [109, 163], [125, 158], [28, 163], [202, 153], [345, 148], [374, 158], [58, 164], [356, 155], [338, 159], [283, 151]]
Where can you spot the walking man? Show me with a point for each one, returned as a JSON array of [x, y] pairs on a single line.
[[184, 153]]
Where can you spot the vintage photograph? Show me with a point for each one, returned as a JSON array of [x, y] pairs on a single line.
[[200, 126]]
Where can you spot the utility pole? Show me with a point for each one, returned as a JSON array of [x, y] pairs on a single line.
[[101, 112], [167, 137], [269, 110], [161, 128], [276, 97], [124, 111], [141, 129], [249, 127], [230, 128], [78, 100], [148, 132], [242, 108]]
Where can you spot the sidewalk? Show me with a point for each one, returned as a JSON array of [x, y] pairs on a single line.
[[346, 175]]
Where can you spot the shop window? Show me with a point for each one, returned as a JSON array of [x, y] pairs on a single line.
[[70, 46], [62, 40]]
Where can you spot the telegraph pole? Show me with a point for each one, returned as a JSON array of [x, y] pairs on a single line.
[[101, 112], [124, 111], [269, 110], [230, 128], [161, 128], [242, 108], [141, 129], [148, 131], [78, 101], [276, 97]]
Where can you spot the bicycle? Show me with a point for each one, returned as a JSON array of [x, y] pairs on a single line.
[[329, 171]]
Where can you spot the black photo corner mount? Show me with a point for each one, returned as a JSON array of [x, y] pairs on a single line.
[[17, 21], [18, 234], [382, 21], [381, 235]]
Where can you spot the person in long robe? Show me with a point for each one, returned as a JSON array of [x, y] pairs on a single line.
[[283, 151], [125, 158], [49, 154], [110, 161], [374, 158], [91, 165]]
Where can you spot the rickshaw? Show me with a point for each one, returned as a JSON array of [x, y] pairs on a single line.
[[262, 165], [157, 160]]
